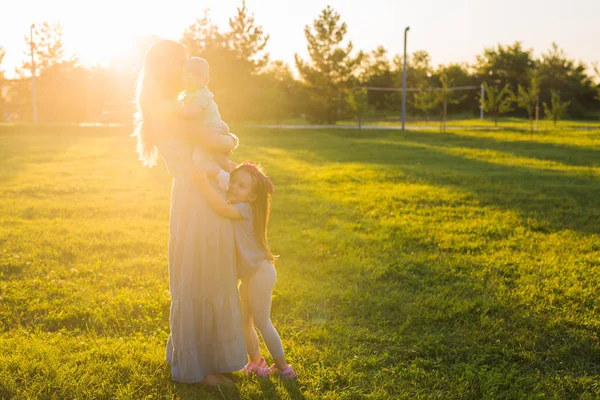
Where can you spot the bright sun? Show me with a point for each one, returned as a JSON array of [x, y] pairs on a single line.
[[103, 41], [113, 31]]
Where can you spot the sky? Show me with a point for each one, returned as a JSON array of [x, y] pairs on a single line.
[[451, 31]]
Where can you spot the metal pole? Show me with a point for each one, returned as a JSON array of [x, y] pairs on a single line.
[[404, 81], [33, 100], [482, 98]]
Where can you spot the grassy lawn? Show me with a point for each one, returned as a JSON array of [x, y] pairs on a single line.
[[413, 265]]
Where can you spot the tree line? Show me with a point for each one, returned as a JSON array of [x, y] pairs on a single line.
[[335, 82]]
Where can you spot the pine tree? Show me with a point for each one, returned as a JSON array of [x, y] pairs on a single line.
[[48, 50], [331, 66], [247, 39], [59, 81], [236, 57]]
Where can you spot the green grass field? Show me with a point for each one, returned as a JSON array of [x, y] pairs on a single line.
[[413, 265]]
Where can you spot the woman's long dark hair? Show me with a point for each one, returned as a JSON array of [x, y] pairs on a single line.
[[261, 207], [159, 80]]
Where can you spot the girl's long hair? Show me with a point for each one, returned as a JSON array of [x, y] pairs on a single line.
[[159, 80], [261, 206]]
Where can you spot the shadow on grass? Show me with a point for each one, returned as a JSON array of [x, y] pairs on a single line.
[[193, 391], [443, 319], [547, 200], [563, 153], [268, 388], [291, 386]]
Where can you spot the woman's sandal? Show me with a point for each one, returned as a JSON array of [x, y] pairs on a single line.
[[287, 373], [260, 370]]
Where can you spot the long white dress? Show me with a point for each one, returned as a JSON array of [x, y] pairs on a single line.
[[205, 319]]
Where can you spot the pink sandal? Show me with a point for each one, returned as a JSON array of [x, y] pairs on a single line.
[[287, 373], [260, 370]]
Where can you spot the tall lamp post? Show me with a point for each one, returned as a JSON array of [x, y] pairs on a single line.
[[33, 100], [404, 81]]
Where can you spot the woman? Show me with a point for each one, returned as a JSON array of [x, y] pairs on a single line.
[[206, 336]]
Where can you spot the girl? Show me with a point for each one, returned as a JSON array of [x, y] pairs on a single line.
[[248, 206]]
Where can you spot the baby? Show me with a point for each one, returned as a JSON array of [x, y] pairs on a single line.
[[198, 104]]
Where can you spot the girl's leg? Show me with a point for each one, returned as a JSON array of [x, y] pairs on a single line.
[[259, 291], [248, 325]]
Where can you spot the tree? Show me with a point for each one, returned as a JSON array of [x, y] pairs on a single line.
[[247, 39], [597, 72], [497, 101], [443, 97], [528, 98], [280, 92], [60, 83], [2, 54], [503, 65], [557, 108], [203, 39], [560, 73], [236, 57], [418, 69], [2, 85], [331, 65], [459, 75], [419, 73], [358, 101], [376, 69], [376, 72], [48, 49], [425, 100]]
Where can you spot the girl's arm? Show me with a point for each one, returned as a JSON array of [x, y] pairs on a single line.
[[218, 203]]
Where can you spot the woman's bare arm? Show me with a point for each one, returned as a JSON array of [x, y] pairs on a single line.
[[217, 202], [212, 139]]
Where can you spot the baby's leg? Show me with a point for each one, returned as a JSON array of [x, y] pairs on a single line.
[[260, 290]]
